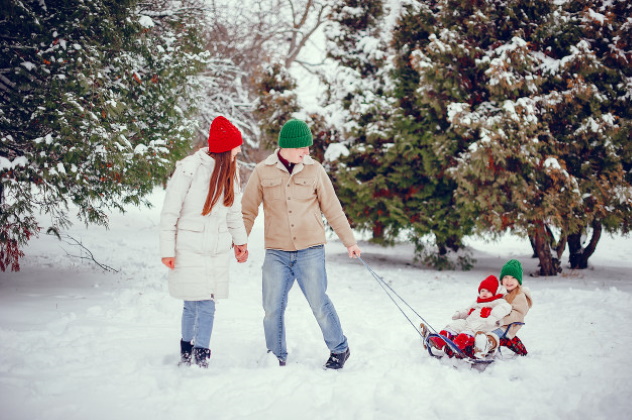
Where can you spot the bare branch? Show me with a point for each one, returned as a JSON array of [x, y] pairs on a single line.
[[90, 256]]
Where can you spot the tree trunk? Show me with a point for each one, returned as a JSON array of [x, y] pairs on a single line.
[[576, 252], [549, 266], [532, 240], [578, 257], [454, 243], [378, 231]]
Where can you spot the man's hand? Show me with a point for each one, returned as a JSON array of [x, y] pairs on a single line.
[[170, 262], [354, 251], [241, 253]]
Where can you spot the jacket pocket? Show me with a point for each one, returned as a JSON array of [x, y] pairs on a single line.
[[190, 235], [224, 240], [272, 189], [320, 225], [303, 188]]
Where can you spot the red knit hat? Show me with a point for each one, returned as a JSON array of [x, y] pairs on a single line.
[[223, 136], [491, 283]]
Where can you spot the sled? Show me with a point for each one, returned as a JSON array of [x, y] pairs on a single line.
[[514, 344]]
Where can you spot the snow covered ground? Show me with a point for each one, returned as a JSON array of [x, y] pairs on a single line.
[[80, 343]]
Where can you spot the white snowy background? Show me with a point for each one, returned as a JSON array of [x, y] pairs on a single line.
[[80, 343]]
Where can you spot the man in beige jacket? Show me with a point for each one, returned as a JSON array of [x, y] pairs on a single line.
[[296, 192]]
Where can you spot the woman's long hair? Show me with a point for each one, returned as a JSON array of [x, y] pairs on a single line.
[[222, 181]]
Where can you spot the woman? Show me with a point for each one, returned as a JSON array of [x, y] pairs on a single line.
[[200, 221]]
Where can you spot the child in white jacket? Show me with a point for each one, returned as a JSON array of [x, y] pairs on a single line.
[[484, 315]]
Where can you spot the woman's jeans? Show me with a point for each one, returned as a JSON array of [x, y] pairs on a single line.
[[307, 267], [197, 322]]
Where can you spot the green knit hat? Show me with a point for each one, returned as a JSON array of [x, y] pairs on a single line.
[[295, 134], [512, 268]]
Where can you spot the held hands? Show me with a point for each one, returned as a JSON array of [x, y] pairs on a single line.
[[354, 251], [170, 262], [241, 253]]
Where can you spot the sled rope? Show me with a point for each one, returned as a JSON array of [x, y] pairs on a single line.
[[391, 293]]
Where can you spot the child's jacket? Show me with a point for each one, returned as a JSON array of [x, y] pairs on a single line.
[[483, 316]]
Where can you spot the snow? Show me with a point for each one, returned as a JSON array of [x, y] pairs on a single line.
[[11, 164], [596, 17], [78, 342], [28, 65], [334, 151], [552, 162], [146, 22]]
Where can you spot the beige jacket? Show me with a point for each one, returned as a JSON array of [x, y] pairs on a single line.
[[293, 205], [521, 302]]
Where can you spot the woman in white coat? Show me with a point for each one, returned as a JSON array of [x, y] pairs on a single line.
[[200, 221]]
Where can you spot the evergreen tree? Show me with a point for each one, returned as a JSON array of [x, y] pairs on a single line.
[[392, 181], [507, 116], [587, 106], [479, 71], [358, 107], [276, 101], [540, 116], [94, 111]]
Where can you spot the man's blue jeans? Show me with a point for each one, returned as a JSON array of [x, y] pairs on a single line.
[[307, 267], [197, 322]]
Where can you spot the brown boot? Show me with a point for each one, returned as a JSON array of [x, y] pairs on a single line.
[[485, 345], [424, 333]]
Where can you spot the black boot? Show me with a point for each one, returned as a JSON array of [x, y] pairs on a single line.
[[186, 350], [337, 360], [201, 356]]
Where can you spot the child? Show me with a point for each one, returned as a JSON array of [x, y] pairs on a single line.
[[482, 316], [519, 297]]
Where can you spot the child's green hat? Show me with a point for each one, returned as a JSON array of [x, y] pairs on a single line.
[[512, 268]]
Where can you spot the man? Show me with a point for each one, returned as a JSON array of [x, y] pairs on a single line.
[[296, 192]]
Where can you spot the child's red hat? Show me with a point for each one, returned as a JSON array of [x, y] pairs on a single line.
[[491, 283]]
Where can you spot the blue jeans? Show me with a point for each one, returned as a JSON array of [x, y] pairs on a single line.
[[197, 322], [500, 332], [307, 267]]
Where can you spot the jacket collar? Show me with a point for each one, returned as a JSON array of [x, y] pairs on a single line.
[[205, 159], [273, 159]]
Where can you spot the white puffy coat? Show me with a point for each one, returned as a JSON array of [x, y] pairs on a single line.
[[470, 319], [200, 244]]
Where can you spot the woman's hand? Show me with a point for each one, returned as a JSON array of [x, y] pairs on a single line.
[[170, 262], [241, 253]]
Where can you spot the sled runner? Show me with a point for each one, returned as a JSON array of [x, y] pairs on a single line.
[[451, 349]]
